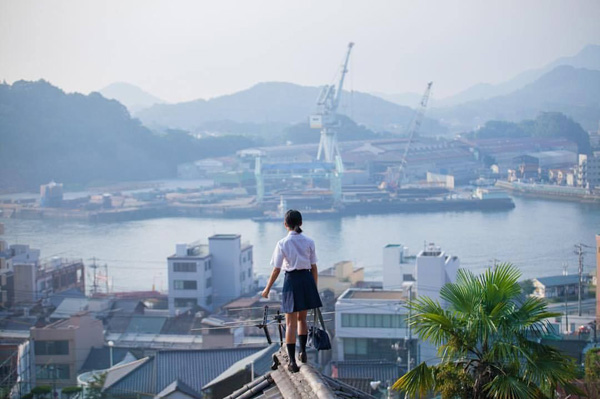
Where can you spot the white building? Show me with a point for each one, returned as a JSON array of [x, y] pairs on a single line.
[[434, 269], [232, 267], [368, 323], [396, 267], [190, 277], [209, 275]]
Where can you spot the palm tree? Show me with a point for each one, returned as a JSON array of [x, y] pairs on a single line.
[[488, 340]]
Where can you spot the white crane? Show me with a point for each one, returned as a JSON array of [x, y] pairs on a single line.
[[326, 117], [395, 174]]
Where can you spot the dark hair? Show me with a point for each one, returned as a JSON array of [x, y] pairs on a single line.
[[293, 219]]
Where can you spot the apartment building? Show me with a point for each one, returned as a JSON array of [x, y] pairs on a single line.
[[209, 275], [398, 266], [588, 170], [34, 281], [369, 323], [434, 269], [60, 348]]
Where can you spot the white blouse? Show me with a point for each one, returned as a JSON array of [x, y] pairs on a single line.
[[294, 252]]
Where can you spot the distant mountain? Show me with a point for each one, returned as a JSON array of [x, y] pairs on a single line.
[[547, 124], [406, 99], [588, 58], [46, 134], [278, 102], [131, 96], [572, 91]]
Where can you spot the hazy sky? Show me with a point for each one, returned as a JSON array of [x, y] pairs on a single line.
[[182, 50]]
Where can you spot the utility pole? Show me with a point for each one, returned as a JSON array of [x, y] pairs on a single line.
[[565, 265], [106, 276], [579, 253], [94, 266], [409, 329]]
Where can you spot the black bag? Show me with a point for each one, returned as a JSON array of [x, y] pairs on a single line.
[[318, 337]]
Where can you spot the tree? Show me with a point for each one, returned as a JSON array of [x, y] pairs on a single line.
[[41, 391], [94, 390], [527, 287], [489, 335], [592, 365], [69, 392]]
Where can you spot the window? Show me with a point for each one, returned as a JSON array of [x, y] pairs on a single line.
[[184, 267], [371, 348], [249, 273], [185, 302], [373, 320], [209, 300], [208, 282], [185, 284], [51, 347], [355, 346], [52, 371]]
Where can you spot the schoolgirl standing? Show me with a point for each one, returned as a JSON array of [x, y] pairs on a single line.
[[295, 255]]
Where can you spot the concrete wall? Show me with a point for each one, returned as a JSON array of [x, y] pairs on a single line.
[[25, 282], [395, 267], [202, 273], [226, 252], [82, 332]]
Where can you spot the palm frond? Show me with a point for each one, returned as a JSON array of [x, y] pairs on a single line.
[[510, 387], [420, 380]]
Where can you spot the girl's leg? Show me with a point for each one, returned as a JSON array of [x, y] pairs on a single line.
[[291, 322], [302, 325], [302, 334], [291, 325]]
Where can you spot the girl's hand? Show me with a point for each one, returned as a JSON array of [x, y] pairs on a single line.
[[265, 293]]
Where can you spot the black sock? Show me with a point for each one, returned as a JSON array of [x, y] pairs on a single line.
[[292, 352], [303, 339]]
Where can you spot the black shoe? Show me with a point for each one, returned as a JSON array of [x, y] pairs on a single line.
[[302, 357], [293, 368]]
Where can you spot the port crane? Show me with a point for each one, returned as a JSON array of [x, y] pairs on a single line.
[[395, 174], [327, 119]]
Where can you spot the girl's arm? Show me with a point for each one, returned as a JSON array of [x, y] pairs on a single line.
[[315, 273], [274, 275]]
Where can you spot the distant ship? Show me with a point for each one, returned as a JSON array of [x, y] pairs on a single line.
[[480, 200]]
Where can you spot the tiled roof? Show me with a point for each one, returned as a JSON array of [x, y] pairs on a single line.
[[116, 381], [362, 384], [68, 307], [374, 370], [99, 358], [306, 384], [180, 386], [146, 324], [554, 281], [127, 305], [260, 361], [195, 368], [56, 299]]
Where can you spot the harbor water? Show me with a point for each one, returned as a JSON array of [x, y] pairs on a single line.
[[538, 236]]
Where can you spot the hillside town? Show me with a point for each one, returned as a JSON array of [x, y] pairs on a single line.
[[63, 327]]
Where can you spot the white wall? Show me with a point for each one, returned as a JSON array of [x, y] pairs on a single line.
[[201, 293], [434, 269], [393, 269], [226, 253], [366, 306]]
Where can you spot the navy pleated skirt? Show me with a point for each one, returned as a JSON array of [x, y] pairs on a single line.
[[299, 292]]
